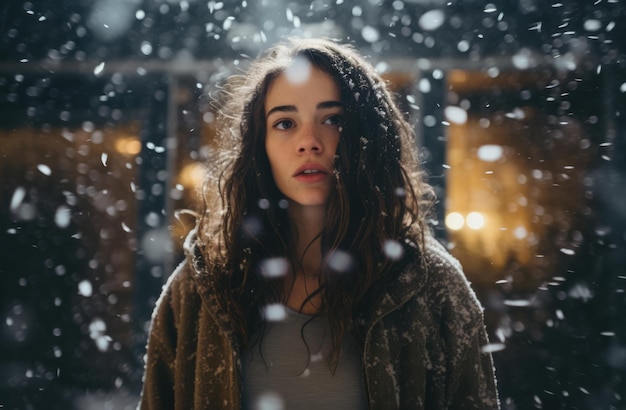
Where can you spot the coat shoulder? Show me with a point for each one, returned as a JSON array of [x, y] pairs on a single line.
[[447, 284]]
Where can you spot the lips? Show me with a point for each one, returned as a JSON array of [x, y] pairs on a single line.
[[311, 169], [311, 173]]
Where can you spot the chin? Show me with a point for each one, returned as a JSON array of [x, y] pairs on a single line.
[[309, 202]]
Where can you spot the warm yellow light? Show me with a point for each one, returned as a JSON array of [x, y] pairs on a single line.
[[192, 175], [128, 145], [475, 220], [454, 221]]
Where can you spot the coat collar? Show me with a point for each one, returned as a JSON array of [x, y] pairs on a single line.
[[396, 292], [403, 286], [206, 283]]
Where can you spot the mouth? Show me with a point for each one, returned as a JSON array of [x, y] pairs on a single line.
[[311, 173], [310, 170]]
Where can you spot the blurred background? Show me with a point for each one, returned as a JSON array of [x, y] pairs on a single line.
[[519, 107]]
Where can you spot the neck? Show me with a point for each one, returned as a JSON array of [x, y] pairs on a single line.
[[307, 225]]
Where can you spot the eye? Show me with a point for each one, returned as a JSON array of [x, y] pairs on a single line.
[[283, 124], [334, 119]]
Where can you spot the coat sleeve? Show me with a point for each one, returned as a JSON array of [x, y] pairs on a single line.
[[475, 384], [158, 380], [470, 371], [470, 374]]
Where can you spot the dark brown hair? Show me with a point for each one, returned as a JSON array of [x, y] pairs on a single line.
[[378, 194]]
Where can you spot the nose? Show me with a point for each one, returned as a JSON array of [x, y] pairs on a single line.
[[308, 141]]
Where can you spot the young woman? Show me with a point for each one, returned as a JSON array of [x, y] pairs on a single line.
[[313, 281]]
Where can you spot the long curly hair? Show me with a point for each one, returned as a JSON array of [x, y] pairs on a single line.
[[377, 202]]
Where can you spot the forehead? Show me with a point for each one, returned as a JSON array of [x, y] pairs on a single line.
[[310, 84]]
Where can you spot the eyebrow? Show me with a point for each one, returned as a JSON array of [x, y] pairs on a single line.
[[293, 108]]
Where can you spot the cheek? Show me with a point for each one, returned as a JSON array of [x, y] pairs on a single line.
[[336, 145]]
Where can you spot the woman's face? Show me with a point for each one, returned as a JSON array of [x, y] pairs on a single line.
[[303, 122]]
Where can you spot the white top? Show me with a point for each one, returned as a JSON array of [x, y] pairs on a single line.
[[280, 379]]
